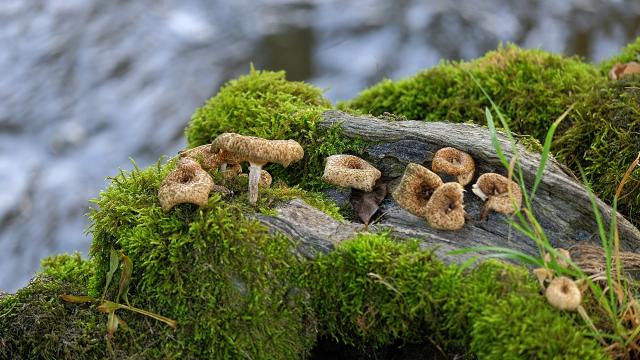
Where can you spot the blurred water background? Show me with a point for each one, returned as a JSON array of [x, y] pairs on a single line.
[[86, 84]]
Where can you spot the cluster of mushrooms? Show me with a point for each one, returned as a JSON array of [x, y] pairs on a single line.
[[423, 193], [561, 292], [190, 181]]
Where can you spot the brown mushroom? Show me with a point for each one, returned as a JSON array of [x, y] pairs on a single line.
[[452, 161], [209, 160], [187, 183], [561, 259], [445, 209], [415, 189], [351, 172], [494, 190], [265, 178], [620, 70], [231, 170], [257, 152], [563, 294]]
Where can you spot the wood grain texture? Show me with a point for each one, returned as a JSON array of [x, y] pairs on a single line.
[[561, 204]]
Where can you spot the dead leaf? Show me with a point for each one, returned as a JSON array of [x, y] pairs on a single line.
[[620, 70], [366, 204]]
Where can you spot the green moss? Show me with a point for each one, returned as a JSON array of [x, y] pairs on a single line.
[[531, 87], [68, 268], [629, 53], [265, 104], [603, 139], [373, 291], [222, 276]]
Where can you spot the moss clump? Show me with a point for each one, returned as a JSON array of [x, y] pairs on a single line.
[[68, 268], [629, 53], [531, 87], [265, 104], [603, 140], [372, 291], [224, 278]]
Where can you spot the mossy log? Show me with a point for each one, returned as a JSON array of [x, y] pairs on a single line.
[[561, 205]]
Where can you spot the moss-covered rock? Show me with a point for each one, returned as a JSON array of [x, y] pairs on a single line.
[[372, 291], [603, 138], [265, 104], [531, 87], [629, 53], [226, 280]]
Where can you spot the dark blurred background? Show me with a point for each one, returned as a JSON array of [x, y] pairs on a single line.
[[86, 84]]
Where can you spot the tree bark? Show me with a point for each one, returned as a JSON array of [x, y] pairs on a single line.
[[561, 205]]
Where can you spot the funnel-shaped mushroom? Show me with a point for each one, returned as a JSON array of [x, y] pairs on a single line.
[[257, 152], [351, 172], [454, 162], [208, 159], [445, 209], [561, 259], [563, 294], [620, 70], [494, 190], [415, 189], [187, 183]]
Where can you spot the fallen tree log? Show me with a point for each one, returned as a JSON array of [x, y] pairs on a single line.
[[561, 205]]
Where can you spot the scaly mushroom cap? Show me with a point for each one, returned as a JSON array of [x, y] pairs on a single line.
[[257, 150], [415, 189], [208, 159], [351, 172], [187, 183], [563, 294], [454, 162], [493, 189], [265, 178], [445, 209]]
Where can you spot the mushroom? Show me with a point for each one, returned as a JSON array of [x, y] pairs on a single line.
[[454, 162], [257, 152], [493, 189], [564, 255], [416, 188], [620, 70], [230, 170], [445, 209], [209, 160], [351, 172], [187, 183], [563, 294], [265, 178]]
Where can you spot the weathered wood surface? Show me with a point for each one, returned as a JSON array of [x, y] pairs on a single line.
[[561, 204]]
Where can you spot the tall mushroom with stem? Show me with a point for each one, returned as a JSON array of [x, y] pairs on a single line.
[[258, 152]]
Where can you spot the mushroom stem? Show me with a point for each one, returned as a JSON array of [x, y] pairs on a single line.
[[254, 180], [223, 167]]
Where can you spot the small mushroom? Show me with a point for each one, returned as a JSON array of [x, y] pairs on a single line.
[[493, 189], [416, 188], [445, 209], [265, 178], [231, 170], [257, 152], [351, 172], [452, 161], [542, 275], [209, 160], [564, 255], [187, 183], [620, 70], [563, 294]]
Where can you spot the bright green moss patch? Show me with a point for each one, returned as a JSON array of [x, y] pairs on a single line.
[[629, 53], [69, 268], [604, 138], [531, 87], [373, 291], [221, 275]]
